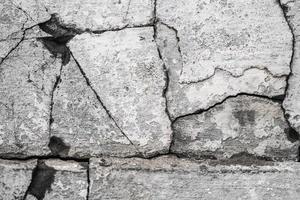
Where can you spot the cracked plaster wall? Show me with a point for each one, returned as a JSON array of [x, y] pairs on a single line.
[[132, 99]]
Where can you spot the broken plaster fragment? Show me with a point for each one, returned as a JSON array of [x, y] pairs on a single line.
[[241, 124], [95, 15], [184, 99], [125, 70], [27, 78], [81, 127], [230, 35]]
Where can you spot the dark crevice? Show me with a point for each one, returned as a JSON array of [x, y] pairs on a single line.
[[200, 111], [41, 181], [55, 86], [47, 157], [57, 47], [244, 158], [102, 104], [18, 44], [167, 81], [88, 181], [58, 147], [292, 133], [55, 28]]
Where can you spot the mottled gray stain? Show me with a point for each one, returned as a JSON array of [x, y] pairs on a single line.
[[245, 117]]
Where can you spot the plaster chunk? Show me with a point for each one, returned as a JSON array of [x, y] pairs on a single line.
[[81, 122], [242, 124], [185, 98], [125, 70], [27, 77], [15, 178], [229, 35], [102, 15]]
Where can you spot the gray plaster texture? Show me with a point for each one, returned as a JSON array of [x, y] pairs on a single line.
[[27, 78], [173, 178], [223, 48], [242, 124], [124, 69], [15, 178]]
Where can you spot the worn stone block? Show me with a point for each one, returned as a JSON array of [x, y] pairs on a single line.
[[124, 69], [173, 178], [242, 124], [102, 15], [81, 126], [27, 78], [224, 48]]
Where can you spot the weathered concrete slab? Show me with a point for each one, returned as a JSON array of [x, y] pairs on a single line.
[[124, 69], [15, 178], [97, 15], [81, 126], [172, 178], [224, 48], [291, 102], [56, 179], [240, 124], [18, 15], [27, 78]]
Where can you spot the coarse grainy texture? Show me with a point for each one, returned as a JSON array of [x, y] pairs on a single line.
[[124, 69], [173, 178], [15, 178], [241, 124], [224, 48], [149, 99]]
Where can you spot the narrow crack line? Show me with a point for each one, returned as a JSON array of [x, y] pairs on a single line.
[[217, 68], [102, 104], [17, 45], [284, 8], [46, 157], [200, 111], [155, 12], [55, 85], [127, 10], [88, 180], [117, 29], [265, 69], [21, 9], [167, 82], [12, 49]]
